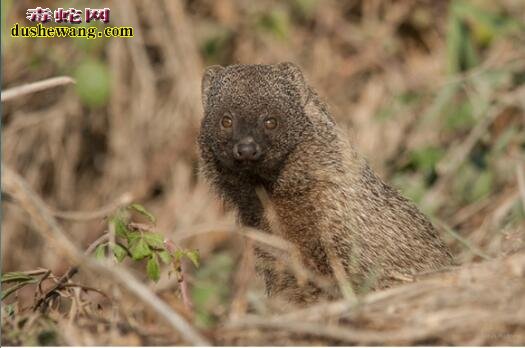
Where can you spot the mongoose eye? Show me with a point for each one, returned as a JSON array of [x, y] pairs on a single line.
[[226, 122], [270, 123]]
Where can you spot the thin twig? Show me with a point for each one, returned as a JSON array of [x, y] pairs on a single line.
[[53, 292], [102, 239], [183, 283], [242, 279], [85, 288], [96, 214], [33, 87], [521, 183], [39, 285]]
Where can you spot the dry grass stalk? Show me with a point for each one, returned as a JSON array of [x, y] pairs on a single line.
[[20, 91], [460, 303]]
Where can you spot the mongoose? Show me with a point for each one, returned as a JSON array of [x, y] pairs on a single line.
[[264, 126]]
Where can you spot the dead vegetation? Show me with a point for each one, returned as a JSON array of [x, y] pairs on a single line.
[[431, 92]]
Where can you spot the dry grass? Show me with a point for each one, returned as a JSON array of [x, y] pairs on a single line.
[[431, 92]]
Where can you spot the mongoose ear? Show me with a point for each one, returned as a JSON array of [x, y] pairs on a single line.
[[207, 80], [293, 73]]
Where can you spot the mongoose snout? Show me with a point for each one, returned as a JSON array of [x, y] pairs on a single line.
[[247, 150], [265, 128]]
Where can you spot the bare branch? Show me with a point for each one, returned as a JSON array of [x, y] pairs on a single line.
[[183, 283], [15, 92]]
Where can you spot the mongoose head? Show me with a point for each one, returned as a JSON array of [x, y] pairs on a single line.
[[253, 116]]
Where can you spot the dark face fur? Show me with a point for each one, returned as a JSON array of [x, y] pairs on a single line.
[[253, 117]]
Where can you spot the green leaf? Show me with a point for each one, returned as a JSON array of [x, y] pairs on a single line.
[[153, 268], [426, 158], [276, 22], [165, 256], [119, 252], [306, 8], [178, 254], [193, 255], [120, 227], [100, 252], [482, 186], [461, 51], [133, 236], [211, 286], [92, 83], [504, 140], [141, 210], [21, 278], [139, 249], [154, 240], [459, 116], [16, 277]]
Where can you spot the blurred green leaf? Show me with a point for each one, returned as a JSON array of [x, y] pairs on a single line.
[[47, 338], [482, 186], [454, 43], [305, 8], [193, 255], [16, 277], [408, 97], [441, 101], [133, 236], [154, 240], [384, 113], [472, 27], [471, 184], [212, 287], [411, 186], [202, 295], [165, 256], [517, 213], [486, 23], [276, 22], [178, 254], [139, 249], [215, 47], [461, 52], [20, 278], [459, 117], [121, 229], [92, 83], [141, 210], [503, 141], [119, 252], [100, 252], [153, 268], [425, 159]]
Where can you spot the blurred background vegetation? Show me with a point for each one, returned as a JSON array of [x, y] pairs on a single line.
[[431, 92]]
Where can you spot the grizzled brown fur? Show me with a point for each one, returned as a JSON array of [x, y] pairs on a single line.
[[326, 198]]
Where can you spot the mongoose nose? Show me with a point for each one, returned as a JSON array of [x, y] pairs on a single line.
[[247, 149]]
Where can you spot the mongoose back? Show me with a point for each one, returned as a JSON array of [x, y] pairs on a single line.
[[264, 126]]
